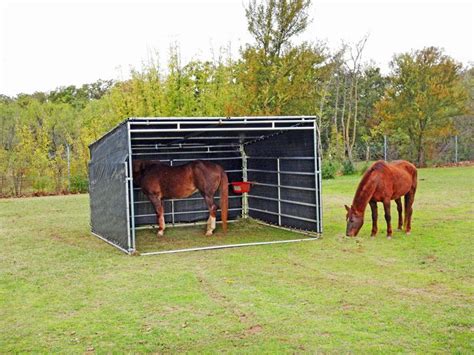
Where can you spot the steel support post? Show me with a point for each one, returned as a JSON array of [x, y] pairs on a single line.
[[245, 200], [279, 192], [131, 246]]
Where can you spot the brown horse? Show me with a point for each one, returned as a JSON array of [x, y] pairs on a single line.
[[383, 182], [160, 181]]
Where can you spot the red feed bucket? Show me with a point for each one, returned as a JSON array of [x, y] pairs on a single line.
[[240, 187]]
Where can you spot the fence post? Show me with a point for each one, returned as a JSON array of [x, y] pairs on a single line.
[[456, 148]]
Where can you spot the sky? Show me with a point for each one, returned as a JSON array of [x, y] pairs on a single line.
[[48, 44]]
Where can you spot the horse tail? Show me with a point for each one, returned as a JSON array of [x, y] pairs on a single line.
[[415, 179], [224, 190]]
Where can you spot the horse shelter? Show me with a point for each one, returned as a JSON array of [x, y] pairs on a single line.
[[278, 156]]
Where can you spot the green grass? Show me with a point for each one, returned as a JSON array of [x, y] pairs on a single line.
[[63, 290], [242, 231]]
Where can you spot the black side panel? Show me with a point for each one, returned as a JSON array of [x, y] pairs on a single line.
[[107, 187]]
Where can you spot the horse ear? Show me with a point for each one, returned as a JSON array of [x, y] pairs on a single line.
[[137, 165], [347, 208]]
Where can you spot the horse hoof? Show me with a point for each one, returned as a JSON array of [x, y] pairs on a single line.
[[160, 233], [408, 233], [389, 237], [208, 233]]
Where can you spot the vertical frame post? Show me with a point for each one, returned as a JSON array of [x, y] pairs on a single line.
[[127, 201], [317, 180], [245, 200], [279, 191], [172, 201], [131, 246]]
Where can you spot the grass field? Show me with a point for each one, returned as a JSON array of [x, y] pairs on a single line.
[[63, 290]]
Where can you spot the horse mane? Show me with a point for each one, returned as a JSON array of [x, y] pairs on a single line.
[[366, 187]]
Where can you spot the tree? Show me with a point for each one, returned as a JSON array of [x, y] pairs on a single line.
[[279, 77], [350, 115], [291, 85], [274, 22], [425, 93]]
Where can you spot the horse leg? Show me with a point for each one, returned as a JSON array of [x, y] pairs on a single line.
[[211, 221], [160, 216], [399, 209], [373, 207], [386, 206], [409, 199]]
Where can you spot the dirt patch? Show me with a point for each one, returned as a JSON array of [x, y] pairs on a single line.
[[254, 329], [39, 194]]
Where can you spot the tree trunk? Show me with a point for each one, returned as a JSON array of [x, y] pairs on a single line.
[[356, 105], [336, 105], [420, 152], [343, 124]]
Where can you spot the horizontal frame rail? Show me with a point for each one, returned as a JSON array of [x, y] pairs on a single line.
[[285, 186], [188, 152], [223, 122], [217, 129], [282, 200], [183, 224], [182, 146], [188, 199], [174, 138], [227, 246], [232, 118], [112, 243], [282, 158], [184, 212], [283, 215], [281, 172]]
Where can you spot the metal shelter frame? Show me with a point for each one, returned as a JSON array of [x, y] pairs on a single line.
[[279, 155]]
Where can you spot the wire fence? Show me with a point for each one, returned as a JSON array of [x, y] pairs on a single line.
[[453, 149]]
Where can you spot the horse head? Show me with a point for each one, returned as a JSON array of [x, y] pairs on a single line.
[[139, 167], [355, 220]]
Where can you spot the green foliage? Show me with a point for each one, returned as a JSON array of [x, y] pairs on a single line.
[[273, 23], [272, 76], [79, 184], [348, 168], [426, 92], [329, 169], [41, 183]]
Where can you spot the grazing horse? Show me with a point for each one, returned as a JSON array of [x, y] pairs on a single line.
[[160, 181], [383, 182]]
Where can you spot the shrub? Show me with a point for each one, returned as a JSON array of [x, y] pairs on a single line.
[[348, 168], [79, 184], [41, 183], [329, 169]]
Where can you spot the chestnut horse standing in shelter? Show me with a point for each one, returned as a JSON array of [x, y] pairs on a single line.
[[383, 182], [160, 181]]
